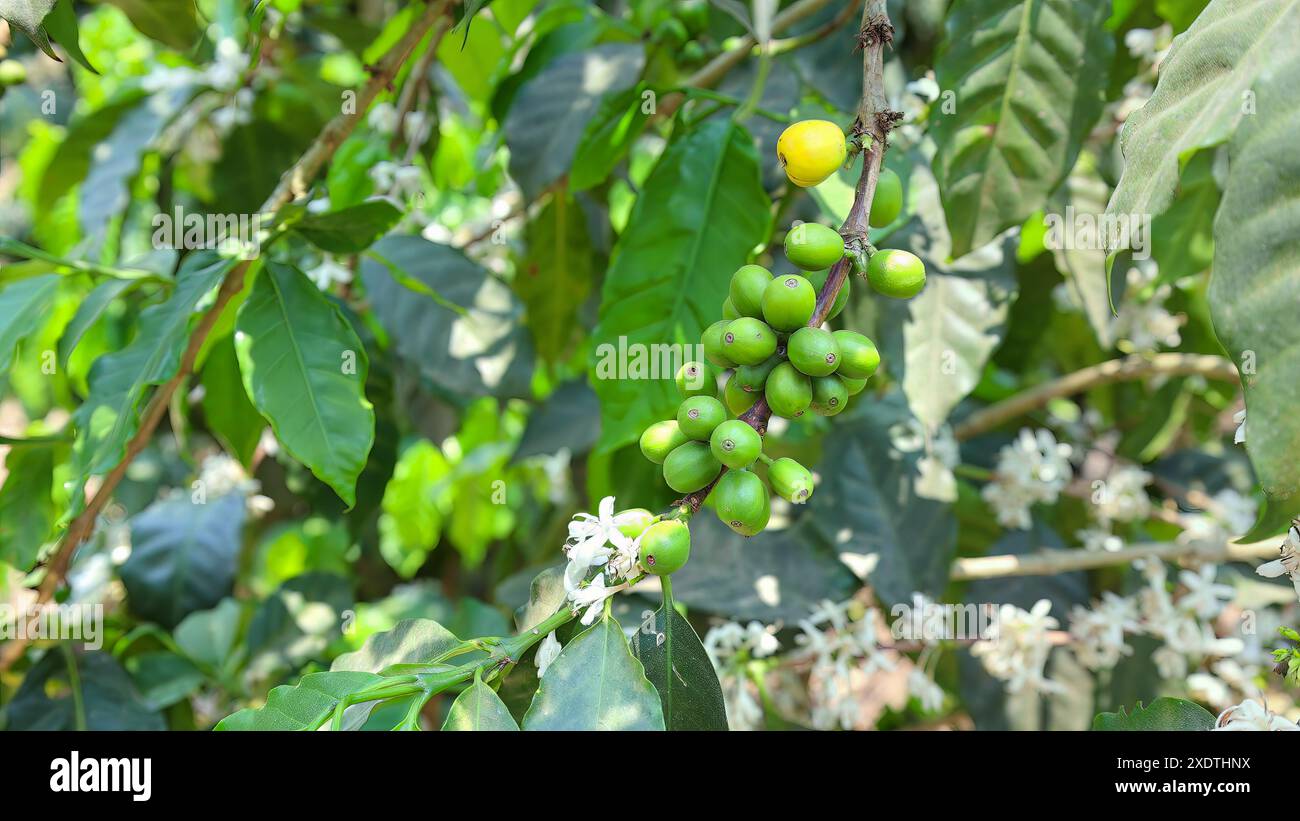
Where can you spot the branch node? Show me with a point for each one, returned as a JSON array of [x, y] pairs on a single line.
[[877, 31]]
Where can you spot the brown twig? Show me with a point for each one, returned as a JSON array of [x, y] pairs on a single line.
[[1136, 366], [874, 120], [1050, 562], [292, 184]]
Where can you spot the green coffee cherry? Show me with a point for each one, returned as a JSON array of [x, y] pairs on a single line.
[[746, 289], [748, 341], [788, 302], [712, 340], [633, 522], [830, 395], [895, 273], [697, 379], [691, 467], [742, 503], [754, 377], [665, 547], [735, 444], [887, 203], [661, 439], [699, 415], [788, 392], [858, 355], [12, 73], [818, 280], [738, 400], [791, 480], [813, 247], [729, 310], [854, 386], [813, 351]]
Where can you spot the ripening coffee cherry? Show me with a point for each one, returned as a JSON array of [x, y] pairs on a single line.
[[729, 311], [697, 379], [748, 341], [754, 377], [788, 392], [788, 303], [813, 247], [854, 386], [887, 203], [818, 280], [791, 480], [899, 274], [712, 340], [746, 290], [691, 467], [830, 395], [858, 355], [699, 415], [735, 444], [661, 439], [665, 547], [742, 503], [633, 522], [813, 351], [810, 151], [737, 399]]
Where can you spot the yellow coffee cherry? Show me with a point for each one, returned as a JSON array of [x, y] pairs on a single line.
[[810, 151]]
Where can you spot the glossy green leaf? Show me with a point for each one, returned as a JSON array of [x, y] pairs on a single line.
[[1028, 76], [1161, 714], [550, 113], [89, 312], [1202, 97], [411, 641], [677, 665], [1256, 282], [595, 684], [478, 707], [119, 382], [183, 556], [61, 23], [27, 508], [350, 230], [24, 308], [700, 214], [302, 706], [608, 137], [555, 276], [305, 370], [546, 595], [226, 407]]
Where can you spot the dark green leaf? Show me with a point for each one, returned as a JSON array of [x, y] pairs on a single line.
[[678, 666], [608, 137], [61, 23], [226, 407], [94, 694], [554, 277], [27, 509], [350, 230], [171, 22]]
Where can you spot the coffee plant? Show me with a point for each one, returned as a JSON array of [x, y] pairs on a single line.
[[926, 364]]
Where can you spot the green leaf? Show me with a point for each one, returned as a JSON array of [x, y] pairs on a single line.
[[110, 416], [699, 215], [1028, 89], [555, 275], [302, 706], [608, 137], [350, 230], [478, 707], [1083, 265], [298, 622], [24, 308], [1199, 102], [61, 23], [550, 113], [411, 641], [546, 595], [1162, 714], [595, 684], [678, 666], [163, 678], [27, 16], [27, 508], [72, 158], [411, 523], [447, 316], [208, 636], [1256, 281], [183, 557], [171, 22], [305, 370], [551, 425], [89, 312], [226, 407], [69, 690]]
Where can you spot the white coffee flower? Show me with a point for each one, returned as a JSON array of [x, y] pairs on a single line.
[[1203, 597], [1289, 561], [1251, 715], [547, 652], [329, 272], [1125, 498], [1099, 539], [1034, 468], [1099, 633], [921, 687], [1140, 42], [1017, 653], [1147, 325], [383, 118], [592, 596]]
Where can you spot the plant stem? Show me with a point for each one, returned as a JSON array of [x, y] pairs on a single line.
[[1051, 562]]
